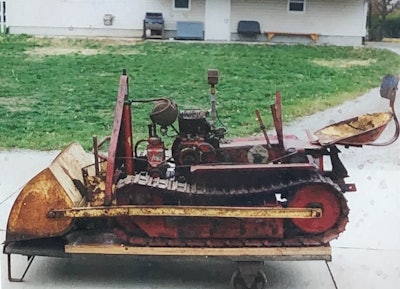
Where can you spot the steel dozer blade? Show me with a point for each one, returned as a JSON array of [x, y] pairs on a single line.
[[54, 187]]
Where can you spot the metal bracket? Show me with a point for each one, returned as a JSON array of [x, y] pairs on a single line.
[[12, 279], [331, 274], [249, 275]]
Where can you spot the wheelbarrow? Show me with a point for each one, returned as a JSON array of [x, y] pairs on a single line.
[[364, 129]]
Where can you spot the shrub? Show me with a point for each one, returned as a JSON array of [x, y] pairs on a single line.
[[374, 28], [392, 26]]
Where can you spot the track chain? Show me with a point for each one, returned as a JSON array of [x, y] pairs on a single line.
[[272, 187]]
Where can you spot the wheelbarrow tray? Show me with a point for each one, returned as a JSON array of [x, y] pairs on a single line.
[[356, 131]]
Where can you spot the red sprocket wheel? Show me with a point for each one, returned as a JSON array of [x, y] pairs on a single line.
[[317, 196]]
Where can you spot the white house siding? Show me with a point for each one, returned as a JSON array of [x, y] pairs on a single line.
[[73, 17], [85, 17], [171, 16], [337, 21], [2, 16]]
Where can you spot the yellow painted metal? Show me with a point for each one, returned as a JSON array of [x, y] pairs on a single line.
[[52, 188], [363, 129], [359, 124], [189, 211]]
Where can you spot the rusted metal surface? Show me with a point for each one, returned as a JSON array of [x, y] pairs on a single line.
[[96, 188], [96, 156], [317, 195], [359, 130], [199, 231], [55, 187], [41, 193], [276, 110], [247, 198], [396, 134], [215, 182], [116, 141], [263, 128], [246, 193], [128, 138], [246, 175], [188, 211], [155, 152]]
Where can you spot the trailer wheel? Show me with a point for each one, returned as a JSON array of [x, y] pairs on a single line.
[[258, 281]]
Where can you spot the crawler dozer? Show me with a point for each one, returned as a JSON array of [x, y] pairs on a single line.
[[248, 199]]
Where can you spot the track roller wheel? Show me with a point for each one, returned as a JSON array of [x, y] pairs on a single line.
[[257, 281], [321, 196]]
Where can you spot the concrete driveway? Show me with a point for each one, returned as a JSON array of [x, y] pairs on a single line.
[[365, 256]]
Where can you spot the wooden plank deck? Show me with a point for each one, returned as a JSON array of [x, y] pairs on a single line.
[[271, 253]]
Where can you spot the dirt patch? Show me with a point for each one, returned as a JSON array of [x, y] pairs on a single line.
[[343, 63], [9, 82], [391, 40], [42, 51], [81, 46], [14, 104], [82, 41], [39, 52]]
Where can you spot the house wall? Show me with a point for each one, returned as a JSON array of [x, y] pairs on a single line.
[[321, 16], [2, 16], [85, 17], [340, 22]]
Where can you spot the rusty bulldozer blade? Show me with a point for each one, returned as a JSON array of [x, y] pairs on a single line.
[[53, 188]]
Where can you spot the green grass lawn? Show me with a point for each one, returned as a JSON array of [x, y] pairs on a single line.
[[54, 91]]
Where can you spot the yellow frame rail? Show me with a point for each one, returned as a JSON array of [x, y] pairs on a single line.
[[188, 211]]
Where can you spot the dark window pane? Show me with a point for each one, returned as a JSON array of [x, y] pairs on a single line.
[[296, 7], [181, 3]]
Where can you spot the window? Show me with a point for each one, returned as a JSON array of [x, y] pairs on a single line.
[[182, 4], [297, 5]]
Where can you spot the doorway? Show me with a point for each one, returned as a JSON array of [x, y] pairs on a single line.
[[218, 20]]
